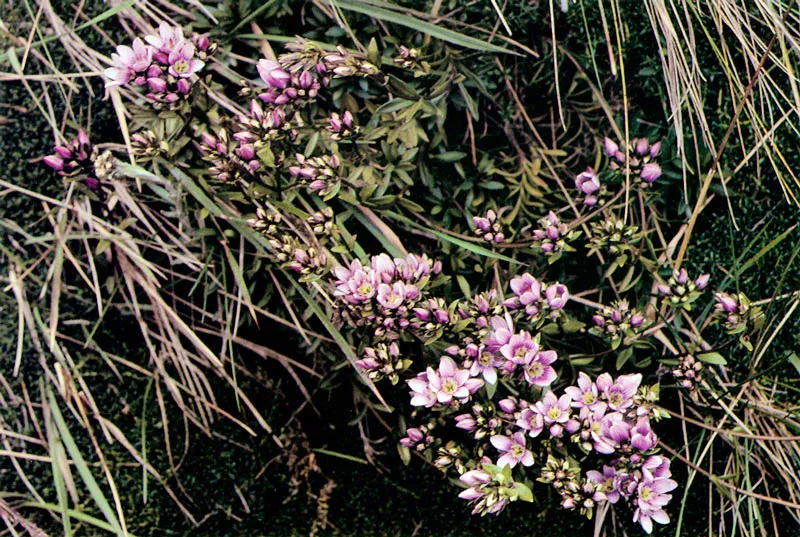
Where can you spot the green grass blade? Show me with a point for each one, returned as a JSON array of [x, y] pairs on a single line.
[[432, 30], [83, 469]]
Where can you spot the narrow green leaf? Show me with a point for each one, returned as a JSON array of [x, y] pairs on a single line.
[[444, 34]]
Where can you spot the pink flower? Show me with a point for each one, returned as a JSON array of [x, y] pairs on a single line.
[[610, 147], [531, 420], [555, 412], [486, 364], [442, 385], [651, 497], [514, 449], [728, 303], [520, 349], [650, 172], [618, 394], [391, 296], [587, 182], [585, 393], [181, 60], [557, 296], [607, 481], [128, 61], [421, 392], [642, 436], [539, 371], [167, 39], [273, 74]]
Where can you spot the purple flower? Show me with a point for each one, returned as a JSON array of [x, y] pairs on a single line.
[[702, 281], [273, 74], [618, 394], [391, 296], [421, 392], [514, 449], [486, 364], [585, 393], [167, 39], [442, 385], [528, 291], [607, 481], [642, 436], [54, 161], [655, 149], [128, 61], [355, 284], [520, 349], [555, 412], [538, 371], [610, 147], [466, 422], [531, 420], [651, 497], [650, 172], [502, 330], [587, 182], [383, 267], [728, 303], [181, 60], [557, 296]]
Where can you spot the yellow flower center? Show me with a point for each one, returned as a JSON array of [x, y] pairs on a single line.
[[645, 494], [536, 369], [449, 386], [588, 398], [364, 289], [181, 66], [554, 413]]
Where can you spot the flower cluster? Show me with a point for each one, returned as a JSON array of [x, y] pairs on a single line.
[[539, 300], [284, 87], [447, 385], [300, 253], [610, 417], [489, 227], [680, 291], [319, 173], [617, 322], [76, 158], [552, 237], [638, 158], [163, 66], [384, 294], [344, 63]]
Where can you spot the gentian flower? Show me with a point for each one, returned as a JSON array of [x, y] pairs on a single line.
[[514, 449]]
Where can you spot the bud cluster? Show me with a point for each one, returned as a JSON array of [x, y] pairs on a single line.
[[680, 291], [617, 322], [76, 158], [553, 236], [638, 157], [489, 227]]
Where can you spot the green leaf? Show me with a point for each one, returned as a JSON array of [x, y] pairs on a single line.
[[623, 357], [421, 26], [713, 358], [524, 493]]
